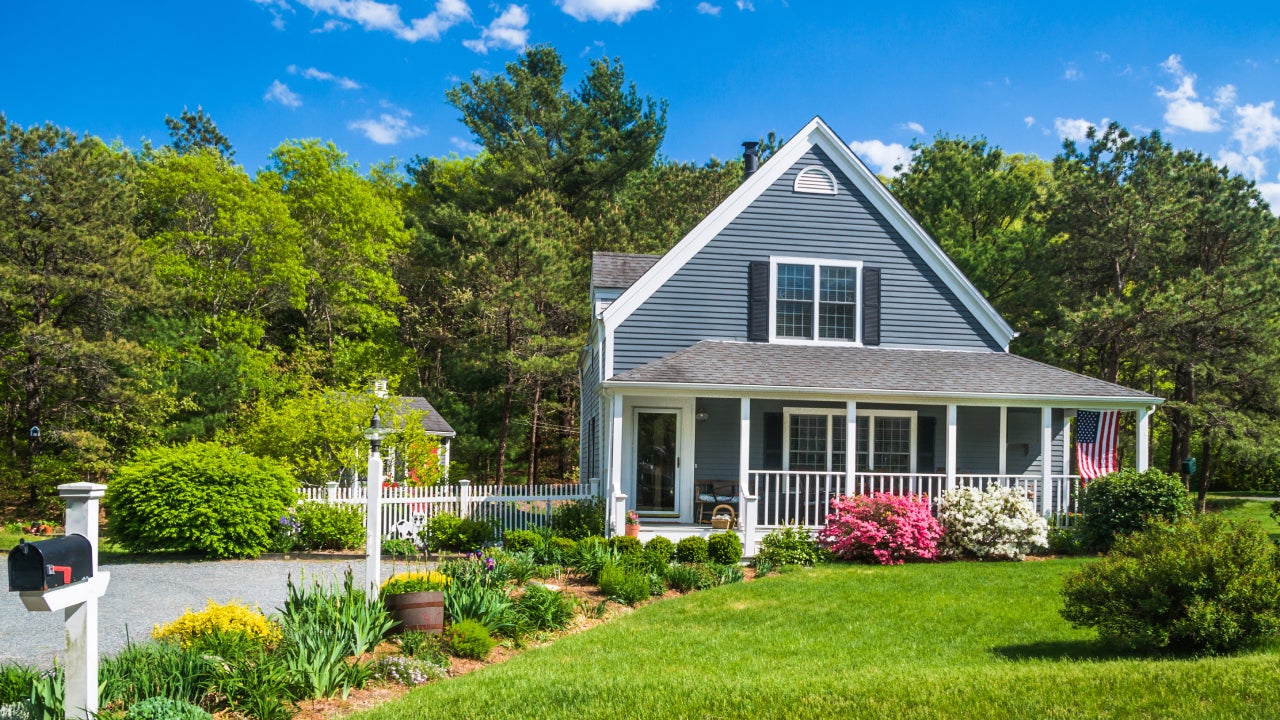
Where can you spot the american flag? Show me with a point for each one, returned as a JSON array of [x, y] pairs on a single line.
[[1096, 443]]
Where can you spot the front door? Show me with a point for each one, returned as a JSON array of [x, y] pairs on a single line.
[[657, 461]]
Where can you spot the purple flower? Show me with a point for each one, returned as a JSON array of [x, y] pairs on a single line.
[[489, 563]]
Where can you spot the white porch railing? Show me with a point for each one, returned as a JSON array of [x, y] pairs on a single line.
[[405, 509], [785, 497]]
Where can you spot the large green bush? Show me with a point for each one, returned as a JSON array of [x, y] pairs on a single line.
[[1204, 584], [724, 548], [787, 545], [199, 497], [579, 519], [448, 532], [1128, 501], [330, 527]]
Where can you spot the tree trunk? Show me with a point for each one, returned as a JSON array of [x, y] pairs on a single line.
[[1206, 473], [505, 426]]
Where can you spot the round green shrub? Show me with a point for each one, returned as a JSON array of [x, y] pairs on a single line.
[[470, 639], [330, 527], [692, 549], [1205, 584], [561, 549], [624, 584], [1128, 501], [199, 497], [522, 540], [724, 548], [163, 708], [626, 545], [662, 549]]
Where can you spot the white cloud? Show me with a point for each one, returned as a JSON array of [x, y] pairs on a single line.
[[1072, 128], [389, 128], [914, 127], [1225, 95], [1182, 109], [707, 8], [883, 156], [1257, 128], [373, 15], [1251, 166], [746, 5], [329, 26], [1029, 120], [343, 82], [1271, 193], [1102, 56], [465, 146], [279, 92], [1072, 73], [508, 30], [618, 11]]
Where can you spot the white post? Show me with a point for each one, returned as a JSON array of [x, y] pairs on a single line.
[[1144, 434], [747, 507], [951, 446], [619, 505], [373, 520], [1004, 440], [331, 492], [81, 620], [448, 445], [464, 498], [850, 444], [1046, 457]]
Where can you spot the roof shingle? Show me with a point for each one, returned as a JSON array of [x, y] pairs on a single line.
[[619, 270]]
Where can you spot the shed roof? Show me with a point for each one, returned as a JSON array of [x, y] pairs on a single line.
[[873, 371], [619, 270], [434, 423]]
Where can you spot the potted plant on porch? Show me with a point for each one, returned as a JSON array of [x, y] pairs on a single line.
[[416, 600], [633, 524]]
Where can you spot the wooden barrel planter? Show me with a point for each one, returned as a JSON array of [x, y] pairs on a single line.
[[421, 611]]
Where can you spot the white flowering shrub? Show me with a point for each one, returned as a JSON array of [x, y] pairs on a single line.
[[999, 524]]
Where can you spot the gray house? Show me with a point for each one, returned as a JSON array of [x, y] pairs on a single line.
[[809, 339]]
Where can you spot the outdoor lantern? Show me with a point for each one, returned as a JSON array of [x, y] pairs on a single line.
[[375, 432]]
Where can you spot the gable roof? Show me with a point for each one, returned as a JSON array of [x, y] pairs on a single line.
[[434, 423], [619, 270], [873, 371], [816, 133]]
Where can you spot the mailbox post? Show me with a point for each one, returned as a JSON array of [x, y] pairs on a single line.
[[373, 509], [69, 582]]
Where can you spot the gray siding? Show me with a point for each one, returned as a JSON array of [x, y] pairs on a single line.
[[977, 439], [716, 440], [707, 298], [590, 414]]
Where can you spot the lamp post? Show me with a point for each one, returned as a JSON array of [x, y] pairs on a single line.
[[373, 513]]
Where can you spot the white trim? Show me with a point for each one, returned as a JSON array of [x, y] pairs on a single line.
[[953, 423], [1143, 454], [815, 133], [744, 446], [811, 188], [817, 264], [851, 429], [1046, 457], [677, 472], [871, 416], [1004, 440]]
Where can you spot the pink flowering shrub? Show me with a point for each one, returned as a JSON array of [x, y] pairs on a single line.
[[889, 529]]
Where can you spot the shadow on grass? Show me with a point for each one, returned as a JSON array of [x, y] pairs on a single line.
[[1221, 504], [1067, 650]]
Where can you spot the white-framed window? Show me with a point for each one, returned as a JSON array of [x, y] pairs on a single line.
[[815, 301], [815, 439]]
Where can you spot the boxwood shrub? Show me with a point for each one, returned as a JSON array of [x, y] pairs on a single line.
[[1128, 501], [692, 549], [724, 548], [200, 497]]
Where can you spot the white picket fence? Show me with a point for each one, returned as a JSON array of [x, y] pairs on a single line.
[[406, 509]]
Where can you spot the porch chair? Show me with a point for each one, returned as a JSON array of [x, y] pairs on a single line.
[[710, 493]]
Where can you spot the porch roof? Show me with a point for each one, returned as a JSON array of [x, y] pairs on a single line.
[[726, 365]]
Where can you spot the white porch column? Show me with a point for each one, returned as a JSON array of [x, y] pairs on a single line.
[[618, 501], [850, 446], [1004, 440], [1144, 434], [1046, 458], [748, 505], [951, 446]]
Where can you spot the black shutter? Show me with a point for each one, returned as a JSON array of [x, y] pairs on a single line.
[[870, 306], [758, 301], [925, 459], [773, 441]]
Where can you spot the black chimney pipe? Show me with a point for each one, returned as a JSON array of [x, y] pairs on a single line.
[[750, 158]]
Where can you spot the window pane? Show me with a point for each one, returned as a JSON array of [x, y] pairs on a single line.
[[864, 425], [808, 449], [795, 319], [839, 429], [794, 302], [838, 296], [795, 282], [893, 444]]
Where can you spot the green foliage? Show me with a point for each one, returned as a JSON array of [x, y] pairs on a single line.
[[479, 603], [330, 527], [591, 555], [692, 549], [561, 549], [470, 639], [724, 548], [198, 497], [521, 540], [726, 574], [626, 545], [1128, 501], [448, 532], [195, 131], [399, 547], [156, 669], [788, 545], [661, 549], [1064, 541], [686, 577], [407, 670], [427, 646], [624, 584], [1205, 584], [16, 681], [579, 519], [163, 708], [545, 609], [339, 616]]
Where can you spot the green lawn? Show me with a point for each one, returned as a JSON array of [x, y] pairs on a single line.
[[955, 640], [1237, 509]]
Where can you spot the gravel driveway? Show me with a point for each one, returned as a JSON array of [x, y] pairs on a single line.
[[143, 594]]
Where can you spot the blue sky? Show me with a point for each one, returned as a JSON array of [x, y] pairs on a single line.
[[371, 75]]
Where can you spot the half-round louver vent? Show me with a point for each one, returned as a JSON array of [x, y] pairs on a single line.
[[816, 180]]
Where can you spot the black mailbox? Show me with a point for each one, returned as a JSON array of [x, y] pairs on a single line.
[[49, 564]]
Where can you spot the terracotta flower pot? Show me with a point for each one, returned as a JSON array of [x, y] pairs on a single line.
[[633, 531]]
